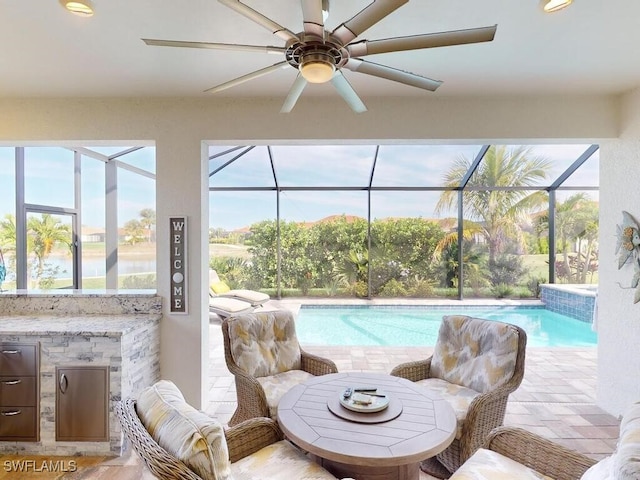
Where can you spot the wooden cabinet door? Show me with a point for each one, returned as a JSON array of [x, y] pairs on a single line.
[[82, 404]]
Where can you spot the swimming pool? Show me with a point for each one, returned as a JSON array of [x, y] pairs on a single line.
[[418, 325]]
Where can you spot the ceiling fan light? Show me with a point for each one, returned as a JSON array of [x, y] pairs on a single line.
[[550, 6], [83, 8], [317, 72], [317, 67]]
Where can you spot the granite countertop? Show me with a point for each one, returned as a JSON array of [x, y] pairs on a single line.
[[85, 325]]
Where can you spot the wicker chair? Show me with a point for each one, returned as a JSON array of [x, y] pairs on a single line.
[[259, 393], [487, 406], [511, 452], [537, 453], [242, 440]]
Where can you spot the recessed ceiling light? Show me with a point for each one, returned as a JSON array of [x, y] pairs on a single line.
[[83, 8], [555, 5]]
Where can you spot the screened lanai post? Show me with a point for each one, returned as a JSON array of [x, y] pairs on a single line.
[[463, 184], [373, 169], [552, 236], [21, 223], [460, 238], [76, 221], [111, 224], [278, 245]]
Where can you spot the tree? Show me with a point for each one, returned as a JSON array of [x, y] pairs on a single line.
[[498, 212], [148, 220], [576, 232], [44, 234], [8, 233], [134, 231]]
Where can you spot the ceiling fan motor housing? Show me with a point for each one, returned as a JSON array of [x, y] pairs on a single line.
[[312, 54]]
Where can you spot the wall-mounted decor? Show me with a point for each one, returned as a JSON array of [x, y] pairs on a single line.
[[178, 258], [628, 249]]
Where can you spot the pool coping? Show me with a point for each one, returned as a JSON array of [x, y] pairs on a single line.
[[295, 303]]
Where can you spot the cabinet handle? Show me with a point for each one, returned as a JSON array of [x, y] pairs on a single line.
[[12, 382], [11, 413], [11, 352], [63, 383]]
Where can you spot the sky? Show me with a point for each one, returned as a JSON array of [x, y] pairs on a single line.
[[49, 180], [350, 166]]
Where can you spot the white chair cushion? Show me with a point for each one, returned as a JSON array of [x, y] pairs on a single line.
[[457, 396], [252, 296], [265, 343], [488, 465], [193, 437], [275, 386], [477, 353], [279, 461], [626, 462], [603, 470]]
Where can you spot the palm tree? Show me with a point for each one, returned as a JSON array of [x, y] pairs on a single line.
[[497, 212], [576, 219], [8, 232], [44, 234], [147, 220]]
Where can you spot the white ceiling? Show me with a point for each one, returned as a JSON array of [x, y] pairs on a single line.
[[592, 47]]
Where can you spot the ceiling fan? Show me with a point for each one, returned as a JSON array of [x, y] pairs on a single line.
[[320, 55]]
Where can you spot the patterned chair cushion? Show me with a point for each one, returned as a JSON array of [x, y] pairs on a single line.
[[264, 343], [479, 354], [188, 434], [488, 465], [457, 396], [275, 386], [279, 461]]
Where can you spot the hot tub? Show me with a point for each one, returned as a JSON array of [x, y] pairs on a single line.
[[573, 300]]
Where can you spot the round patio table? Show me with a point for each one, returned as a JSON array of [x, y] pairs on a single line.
[[353, 444]]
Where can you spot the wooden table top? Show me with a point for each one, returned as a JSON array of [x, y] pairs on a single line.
[[426, 426]]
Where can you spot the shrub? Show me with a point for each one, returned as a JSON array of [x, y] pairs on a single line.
[[506, 269], [502, 290], [533, 284], [136, 282], [393, 288], [420, 288]]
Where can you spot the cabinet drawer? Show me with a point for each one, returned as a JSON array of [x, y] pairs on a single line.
[[18, 391], [18, 423], [18, 359]]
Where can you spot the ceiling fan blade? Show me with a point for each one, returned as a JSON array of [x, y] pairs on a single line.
[[428, 40], [294, 94], [367, 17], [247, 77], [215, 46], [382, 71], [347, 92], [312, 17], [260, 19]]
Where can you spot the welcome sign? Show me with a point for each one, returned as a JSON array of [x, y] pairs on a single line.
[[178, 258]]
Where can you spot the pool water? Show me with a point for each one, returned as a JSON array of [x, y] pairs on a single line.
[[418, 326]]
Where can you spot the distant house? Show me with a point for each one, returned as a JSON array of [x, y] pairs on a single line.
[[92, 234]]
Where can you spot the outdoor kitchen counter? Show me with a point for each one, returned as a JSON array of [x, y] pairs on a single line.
[[119, 331], [94, 325]]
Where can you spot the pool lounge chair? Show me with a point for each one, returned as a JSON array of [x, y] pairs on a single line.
[[219, 288], [226, 307]]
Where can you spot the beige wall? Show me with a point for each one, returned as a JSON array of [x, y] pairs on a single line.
[[618, 317], [179, 127]]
